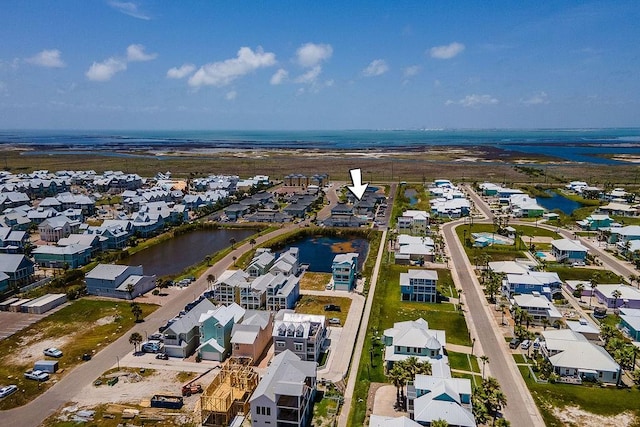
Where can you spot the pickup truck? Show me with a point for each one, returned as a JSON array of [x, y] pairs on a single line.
[[189, 389], [36, 375]]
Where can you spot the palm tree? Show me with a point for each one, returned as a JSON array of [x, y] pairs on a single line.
[[397, 376], [234, 260], [211, 279], [501, 422], [578, 291], [233, 242], [130, 289], [207, 259], [252, 242], [484, 359], [545, 323], [497, 400], [439, 423], [136, 311], [135, 339], [634, 278], [594, 285], [616, 294]]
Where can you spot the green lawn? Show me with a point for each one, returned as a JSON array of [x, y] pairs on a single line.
[[575, 273], [388, 309], [311, 304], [461, 361], [91, 324], [607, 401], [519, 358]]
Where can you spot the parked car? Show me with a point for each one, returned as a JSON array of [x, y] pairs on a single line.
[[156, 337], [36, 375], [331, 307], [86, 356], [151, 347], [600, 312], [334, 321], [162, 356], [578, 264], [514, 343], [52, 352], [7, 390], [525, 344], [536, 344]]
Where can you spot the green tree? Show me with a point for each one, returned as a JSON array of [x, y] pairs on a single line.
[[616, 294], [130, 289], [232, 242], [207, 259], [211, 279], [135, 339], [484, 359], [136, 311], [252, 242], [439, 423]]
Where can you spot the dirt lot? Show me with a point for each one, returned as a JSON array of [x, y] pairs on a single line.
[[573, 416]]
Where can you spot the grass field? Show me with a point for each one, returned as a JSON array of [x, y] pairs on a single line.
[[311, 281], [609, 401], [311, 304], [576, 273], [88, 323]]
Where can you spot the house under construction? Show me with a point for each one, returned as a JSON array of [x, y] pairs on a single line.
[[228, 395]]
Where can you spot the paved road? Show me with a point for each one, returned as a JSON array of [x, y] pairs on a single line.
[[521, 409], [33, 413], [357, 353]]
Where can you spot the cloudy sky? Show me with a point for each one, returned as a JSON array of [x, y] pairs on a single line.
[[107, 64]]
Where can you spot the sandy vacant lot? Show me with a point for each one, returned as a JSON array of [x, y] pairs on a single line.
[[574, 416]]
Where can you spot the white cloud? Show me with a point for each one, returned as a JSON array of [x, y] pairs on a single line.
[[47, 58], [136, 53], [103, 71], [224, 72], [231, 95], [311, 54], [411, 71], [129, 8], [537, 99], [446, 51], [474, 101], [310, 76], [377, 67], [182, 72], [279, 76]]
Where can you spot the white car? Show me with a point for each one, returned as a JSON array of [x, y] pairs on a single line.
[[36, 375], [52, 352], [7, 390]]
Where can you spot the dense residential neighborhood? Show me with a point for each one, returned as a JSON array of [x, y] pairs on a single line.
[[544, 288]]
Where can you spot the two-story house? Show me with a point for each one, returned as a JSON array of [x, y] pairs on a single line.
[[252, 336], [285, 394], [538, 306], [414, 222], [118, 281], [345, 271], [413, 338], [569, 251], [182, 336], [282, 292], [303, 334], [419, 285], [215, 331], [57, 227]]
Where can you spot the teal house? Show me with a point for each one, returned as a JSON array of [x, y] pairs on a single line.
[[595, 222], [344, 270], [72, 256], [215, 331]]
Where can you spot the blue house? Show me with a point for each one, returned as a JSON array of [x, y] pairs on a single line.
[[215, 331], [630, 322], [567, 250], [344, 269], [419, 285], [545, 283]]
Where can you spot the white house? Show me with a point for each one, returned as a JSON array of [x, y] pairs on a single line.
[[413, 338], [567, 250], [538, 306]]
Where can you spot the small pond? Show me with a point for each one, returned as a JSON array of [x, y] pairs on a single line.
[[559, 202], [174, 255], [319, 251], [412, 195]]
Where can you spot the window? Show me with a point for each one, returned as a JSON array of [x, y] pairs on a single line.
[[298, 346], [280, 344]]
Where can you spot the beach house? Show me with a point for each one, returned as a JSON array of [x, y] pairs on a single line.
[[344, 270], [419, 285]]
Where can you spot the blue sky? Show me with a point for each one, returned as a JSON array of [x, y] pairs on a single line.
[[101, 64]]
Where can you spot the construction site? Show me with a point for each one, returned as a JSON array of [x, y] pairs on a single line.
[[228, 395]]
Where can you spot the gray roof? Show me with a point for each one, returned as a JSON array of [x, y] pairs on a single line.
[[11, 262], [106, 271], [286, 375]]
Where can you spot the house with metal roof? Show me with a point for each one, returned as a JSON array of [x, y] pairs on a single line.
[[116, 281], [413, 338], [182, 336], [567, 250], [345, 271], [18, 267], [537, 305], [252, 336], [215, 331], [573, 356], [285, 393], [419, 285], [70, 256]]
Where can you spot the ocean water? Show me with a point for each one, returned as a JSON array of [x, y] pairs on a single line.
[[583, 145]]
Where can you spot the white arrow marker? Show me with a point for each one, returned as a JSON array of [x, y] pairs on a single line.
[[358, 188]]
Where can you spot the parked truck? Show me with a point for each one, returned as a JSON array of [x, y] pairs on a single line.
[[191, 388]]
